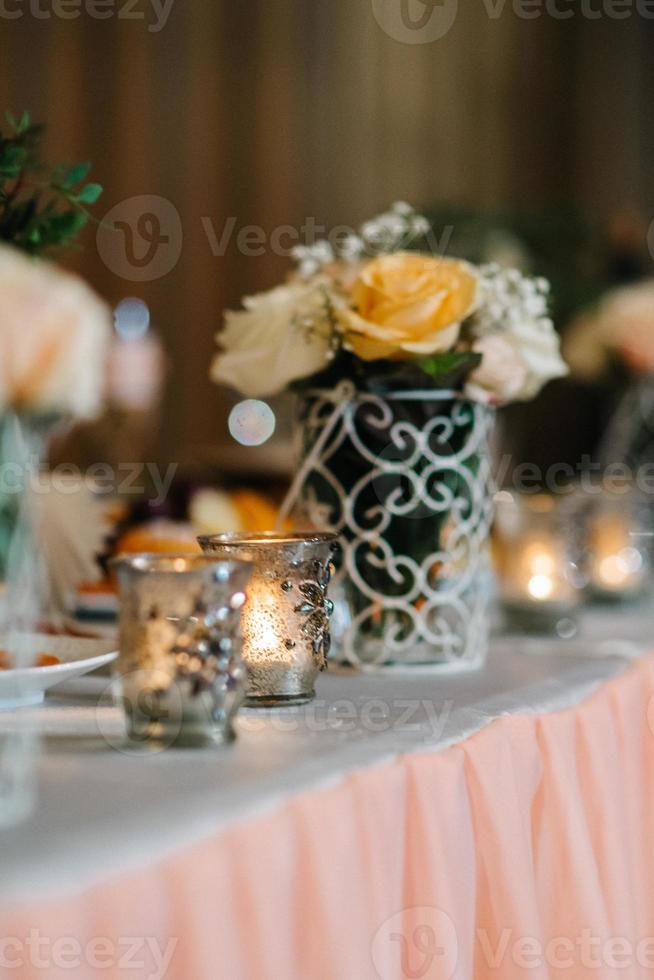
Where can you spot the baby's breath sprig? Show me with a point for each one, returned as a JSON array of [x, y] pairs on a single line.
[[320, 320], [508, 299], [393, 231]]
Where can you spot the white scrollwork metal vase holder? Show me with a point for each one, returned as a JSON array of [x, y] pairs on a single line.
[[404, 477]]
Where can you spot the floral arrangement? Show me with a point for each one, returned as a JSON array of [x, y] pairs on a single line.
[[620, 328], [54, 334], [371, 308], [54, 331]]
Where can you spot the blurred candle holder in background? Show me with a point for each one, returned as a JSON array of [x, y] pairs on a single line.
[[618, 542], [181, 676], [537, 563], [285, 624]]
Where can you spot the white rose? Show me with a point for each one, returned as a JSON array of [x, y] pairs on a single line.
[[502, 373], [517, 363], [54, 335], [280, 336]]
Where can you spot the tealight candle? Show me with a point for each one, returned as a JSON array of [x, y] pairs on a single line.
[[285, 621], [539, 570], [617, 566], [537, 574]]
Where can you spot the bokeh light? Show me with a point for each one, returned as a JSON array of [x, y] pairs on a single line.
[[132, 318], [251, 422]]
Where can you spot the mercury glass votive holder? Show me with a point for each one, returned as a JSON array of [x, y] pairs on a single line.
[[618, 541], [285, 622], [182, 679], [537, 556]]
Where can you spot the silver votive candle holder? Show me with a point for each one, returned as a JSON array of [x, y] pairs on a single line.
[[180, 673], [537, 561], [618, 540], [285, 624]]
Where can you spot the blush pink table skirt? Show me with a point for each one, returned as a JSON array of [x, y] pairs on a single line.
[[527, 851]]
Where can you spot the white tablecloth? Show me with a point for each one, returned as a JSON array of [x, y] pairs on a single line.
[[102, 811]]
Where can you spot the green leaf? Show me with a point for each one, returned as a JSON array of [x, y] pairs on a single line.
[[449, 367], [41, 207], [89, 194], [75, 174]]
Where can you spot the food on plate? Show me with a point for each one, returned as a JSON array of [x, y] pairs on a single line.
[[41, 660], [102, 587], [160, 536]]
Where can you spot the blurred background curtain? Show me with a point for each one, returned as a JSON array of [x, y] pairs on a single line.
[[272, 112]]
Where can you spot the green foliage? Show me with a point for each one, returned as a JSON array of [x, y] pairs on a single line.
[[449, 368], [41, 208], [446, 370]]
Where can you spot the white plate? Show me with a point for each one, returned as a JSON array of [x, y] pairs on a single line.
[[78, 656]]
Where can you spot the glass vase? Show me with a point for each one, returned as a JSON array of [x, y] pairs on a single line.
[[403, 476], [23, 443], [23, 593]]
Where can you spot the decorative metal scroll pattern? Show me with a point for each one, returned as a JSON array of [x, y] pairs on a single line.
[[432, 606]]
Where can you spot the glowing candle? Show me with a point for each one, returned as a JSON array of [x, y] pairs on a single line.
[[285, 622], [540, 571], [617, 567], [535, 569]]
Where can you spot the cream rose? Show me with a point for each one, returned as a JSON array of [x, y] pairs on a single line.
[[502, 373], [515, 365], [406, 305], [280, 336], [54, 336]]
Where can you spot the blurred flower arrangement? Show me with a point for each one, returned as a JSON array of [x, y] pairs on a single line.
[[370, 308], [54, 330], [620, 327], [619, 333], [54, 333]]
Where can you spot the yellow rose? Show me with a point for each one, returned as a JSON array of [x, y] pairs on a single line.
[[408, 305]]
